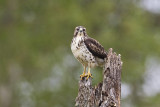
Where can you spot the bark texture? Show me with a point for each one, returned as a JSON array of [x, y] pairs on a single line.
[[107, 93]]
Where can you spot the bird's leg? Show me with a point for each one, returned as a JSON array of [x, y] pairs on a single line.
[[89, 73], [84, 73]]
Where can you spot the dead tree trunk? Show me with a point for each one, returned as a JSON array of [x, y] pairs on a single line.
[[107, 93]]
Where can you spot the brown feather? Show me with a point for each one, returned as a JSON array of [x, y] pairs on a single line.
[[95, 48]]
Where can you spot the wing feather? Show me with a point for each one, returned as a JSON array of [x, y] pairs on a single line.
[[95, 48]]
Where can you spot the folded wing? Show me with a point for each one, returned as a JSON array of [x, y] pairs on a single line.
[[95, 48]]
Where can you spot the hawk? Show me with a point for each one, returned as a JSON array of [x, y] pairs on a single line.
[[89, 52]]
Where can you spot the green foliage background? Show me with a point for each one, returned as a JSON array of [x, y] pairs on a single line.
[[37, 68]]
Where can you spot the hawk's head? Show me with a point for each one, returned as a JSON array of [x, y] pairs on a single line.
[[80, 31]]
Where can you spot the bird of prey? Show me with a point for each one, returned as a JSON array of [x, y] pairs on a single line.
[[87, 51]]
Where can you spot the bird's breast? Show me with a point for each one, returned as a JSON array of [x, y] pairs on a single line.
[[77, 46], [81, 52]]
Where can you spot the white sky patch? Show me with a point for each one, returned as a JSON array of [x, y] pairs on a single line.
[[151, 5], [55, 80], [151, 85], [25, 91], [127, 103], [69, 61], [125, 91]]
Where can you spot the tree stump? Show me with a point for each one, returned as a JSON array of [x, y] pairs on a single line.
[[107, 93]]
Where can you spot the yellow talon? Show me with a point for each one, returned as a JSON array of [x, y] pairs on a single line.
[[89, 74], [84, 73]]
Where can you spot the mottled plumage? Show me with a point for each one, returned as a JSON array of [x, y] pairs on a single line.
[[95, 48], [86, 50]]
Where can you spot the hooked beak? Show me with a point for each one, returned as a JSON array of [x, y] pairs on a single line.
[[80, 31]]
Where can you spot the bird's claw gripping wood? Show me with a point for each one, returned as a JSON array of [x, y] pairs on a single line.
[[86, 75], [89, 75], [83, 75]]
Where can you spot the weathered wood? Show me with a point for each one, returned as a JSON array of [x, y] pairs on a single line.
[[107, 93]]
